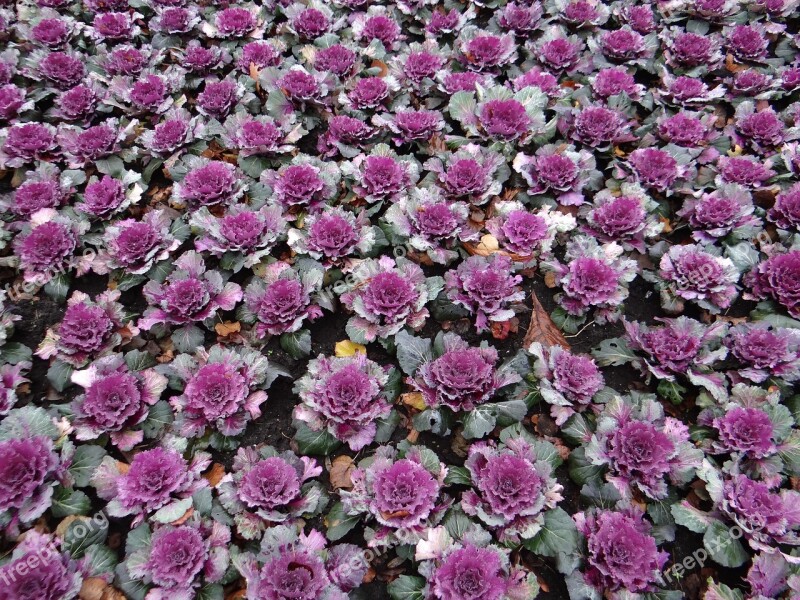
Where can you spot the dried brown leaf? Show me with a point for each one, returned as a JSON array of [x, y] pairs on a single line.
[[542, 329], [227, 328], [341, 468], [214, 474], [414, 400]]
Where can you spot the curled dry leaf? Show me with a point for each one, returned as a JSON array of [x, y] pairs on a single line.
[[502, 329], [227, 328], [384, 68], [489, 245], [96, 588], [214, 474], [542, 329], [414, 400], [340, 470]]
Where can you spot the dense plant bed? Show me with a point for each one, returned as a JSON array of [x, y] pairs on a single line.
[[417, 300]]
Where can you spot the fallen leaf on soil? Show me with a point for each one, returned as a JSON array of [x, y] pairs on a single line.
[[341, 468], [396, 514], [95, 588], [227, 328], [732, 320], [348, 348], [731, 66], [459, 445], [384, 69], [550, 279], [421, 258], [544, 425], [414, 400], [369, 576], [167, 351], [413, 436], [487, 245], [502, 329], [563, 450], [214, 474], [542, 329]]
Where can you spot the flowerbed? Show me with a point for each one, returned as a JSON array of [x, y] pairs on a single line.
[[421, 300]]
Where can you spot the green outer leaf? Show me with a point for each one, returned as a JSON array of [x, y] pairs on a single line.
[[86, 459], [558, 535], [202, 500], [133, 588], [58, 287], [671, 390], [406, 587], [59, 375], [548, 453], [14, 352], [462, 106], [212, 591], [129, 281], [567, 322], [297, 344], [28, 421], [581, 471], [577, 429], [188, 338], [690, 517], [386, 427], [101, 560], [613, 352], [431, 419], [173, 511], [338, 523], [480, 421], [457, 476], [722, 547], [457, 523], [311, 442], [82, 534], [138, 360], [69, 502], [412, 351], [159, 417], [138, 538]]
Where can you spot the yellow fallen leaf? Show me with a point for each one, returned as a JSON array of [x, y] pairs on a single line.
[[414, 400], [737, 150], [348, 348]]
